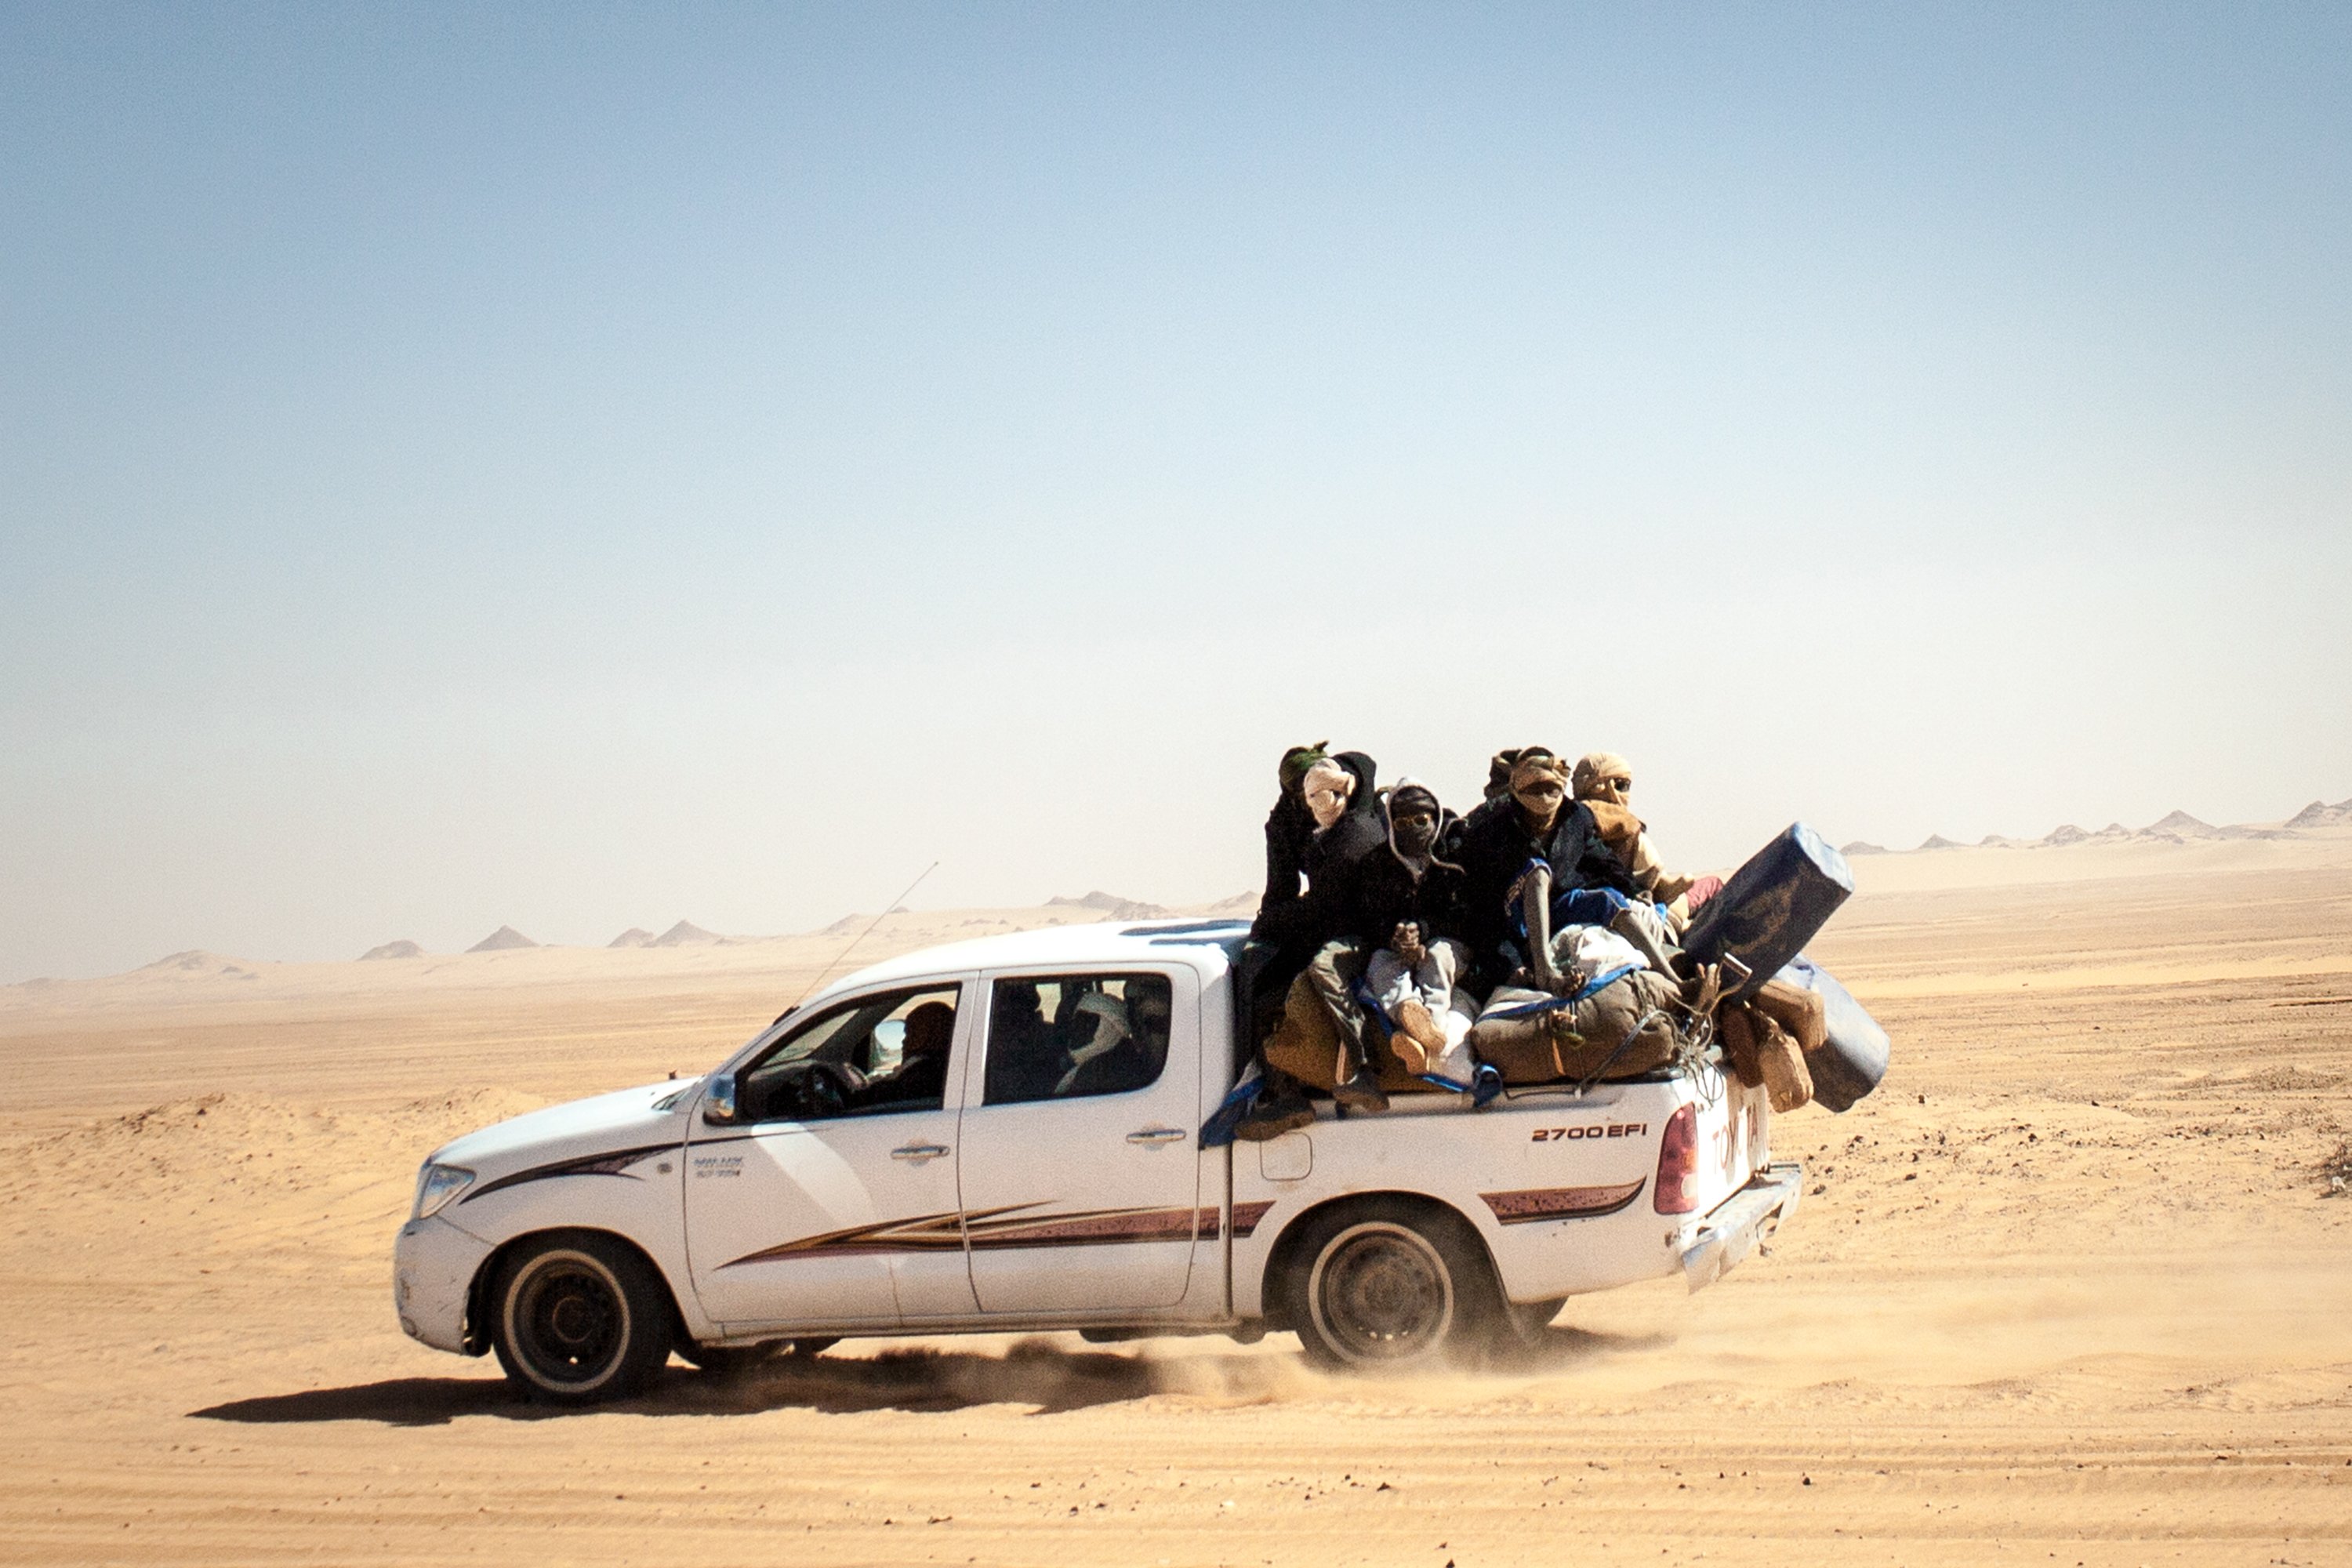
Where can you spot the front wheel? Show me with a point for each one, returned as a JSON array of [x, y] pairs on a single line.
[[1386, 1284], [580, 1317]]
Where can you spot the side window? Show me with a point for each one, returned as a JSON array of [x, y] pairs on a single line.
[[872, 1055], [1067, 1036]]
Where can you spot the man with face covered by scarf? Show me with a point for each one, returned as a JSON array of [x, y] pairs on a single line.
[[1411, 907], [1603, 783], [1540, 825]]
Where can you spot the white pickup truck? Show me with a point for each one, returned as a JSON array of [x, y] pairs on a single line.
[[1004, 1135]]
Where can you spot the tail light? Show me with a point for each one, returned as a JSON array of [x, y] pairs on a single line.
[[1677, 1187]]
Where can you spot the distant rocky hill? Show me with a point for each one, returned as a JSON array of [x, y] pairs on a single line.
[[1111, 904], [635, 936], [502, 940], [196, 961], [2319, 813], [686, 934], [400, 949], [2176, 827]]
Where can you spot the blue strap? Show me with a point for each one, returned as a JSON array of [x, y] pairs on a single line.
[[1554, 1004], [1218, 1131]]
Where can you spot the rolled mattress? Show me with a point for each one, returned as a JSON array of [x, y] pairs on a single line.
[[1772, 906]]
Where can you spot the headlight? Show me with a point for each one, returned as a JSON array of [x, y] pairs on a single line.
[[435, 1185]]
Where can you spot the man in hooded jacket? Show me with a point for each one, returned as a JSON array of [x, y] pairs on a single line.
[[1411, 908]]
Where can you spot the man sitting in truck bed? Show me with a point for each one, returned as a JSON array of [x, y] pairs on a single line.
[[1604, 785], [1348, 828], [1412, 908], [1540, 827]]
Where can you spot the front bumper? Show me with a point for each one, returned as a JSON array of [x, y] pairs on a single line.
[[1741, 1223], [432, 1269]]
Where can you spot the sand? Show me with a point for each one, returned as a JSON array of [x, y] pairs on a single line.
[[2069, 1289]]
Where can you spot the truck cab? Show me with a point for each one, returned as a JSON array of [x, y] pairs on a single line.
[[1006, 1135]]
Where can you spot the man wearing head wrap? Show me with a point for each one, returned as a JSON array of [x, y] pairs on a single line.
[[1496, 797], [1338, 793], [1289, 827], [1539, 827], [1411, 906], [1603, 783]]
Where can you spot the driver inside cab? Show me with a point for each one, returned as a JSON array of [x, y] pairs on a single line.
[[921, 1074]]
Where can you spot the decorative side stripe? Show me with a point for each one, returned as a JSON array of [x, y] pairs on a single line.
[[999, 1229], [1531, 1205], [1099, 1227], [924, 1233], [613, 1164]]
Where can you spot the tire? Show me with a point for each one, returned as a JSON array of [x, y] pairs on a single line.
[[580, 1317], [729, 1361], [1525, 1325], [1391, 1284]]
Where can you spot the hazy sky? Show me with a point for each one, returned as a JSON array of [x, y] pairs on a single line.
[[464, 465]]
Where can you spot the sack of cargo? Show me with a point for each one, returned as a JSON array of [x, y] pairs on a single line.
[[1772, 906], [1762, 1054], [1735, 1028], [1851, 1058], [1800, 1011], [1786, 1079], [1621, 1030], [1306, 1043]]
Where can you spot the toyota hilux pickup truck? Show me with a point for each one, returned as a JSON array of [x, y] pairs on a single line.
[[1006, 1135]]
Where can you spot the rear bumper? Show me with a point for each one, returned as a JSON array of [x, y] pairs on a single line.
[[432, 1267], [1741, 1223]]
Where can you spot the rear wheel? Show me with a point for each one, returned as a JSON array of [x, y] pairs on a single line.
[[1524, 1324], [1387, 1283], [726, 1361], [580, 1317]]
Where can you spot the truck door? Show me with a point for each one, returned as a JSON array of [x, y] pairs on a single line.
[[1078, 1153], [831, 1198]]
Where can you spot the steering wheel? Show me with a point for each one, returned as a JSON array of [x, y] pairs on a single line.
[[828, 1089]]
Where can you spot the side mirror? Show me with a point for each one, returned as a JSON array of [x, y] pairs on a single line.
[[719, 1101]]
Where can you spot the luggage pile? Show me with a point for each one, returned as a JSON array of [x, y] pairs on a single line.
[[1538, 940]]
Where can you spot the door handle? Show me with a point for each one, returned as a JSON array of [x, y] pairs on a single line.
[[1155, 1136], [918, 1151]]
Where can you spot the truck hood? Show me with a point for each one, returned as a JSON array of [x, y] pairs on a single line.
[[626, 1119]]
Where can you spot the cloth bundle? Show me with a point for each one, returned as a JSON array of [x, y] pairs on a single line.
[[1620, 1028]]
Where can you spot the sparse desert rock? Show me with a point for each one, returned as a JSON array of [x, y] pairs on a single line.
[[1111, 904]]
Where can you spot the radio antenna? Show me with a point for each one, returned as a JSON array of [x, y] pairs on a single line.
[[853, 941]]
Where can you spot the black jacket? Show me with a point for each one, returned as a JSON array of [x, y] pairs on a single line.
[[1332, 859], [1496, 849], [1389, 891], [1289, 830]]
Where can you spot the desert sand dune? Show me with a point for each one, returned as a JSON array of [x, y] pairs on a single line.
[[2069, 1288]]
